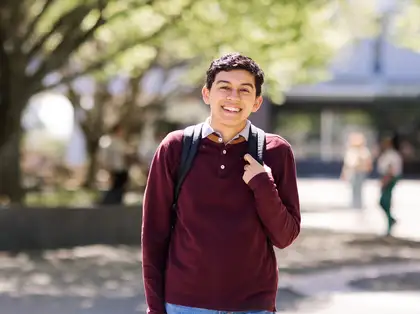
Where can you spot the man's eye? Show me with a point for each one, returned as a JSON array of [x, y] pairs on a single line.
[[245, 90], [224, 88]]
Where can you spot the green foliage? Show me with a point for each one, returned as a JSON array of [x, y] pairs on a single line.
[[407, 26], [49, 43], [61, 198], [285, 37], [75, 37]]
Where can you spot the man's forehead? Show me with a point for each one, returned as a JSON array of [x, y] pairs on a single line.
[[235, 77]]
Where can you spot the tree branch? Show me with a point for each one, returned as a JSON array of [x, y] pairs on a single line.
[[15, 14], [133, 5], [32, 26], [67, 21], [69, 16], [68, 45], [124, 47], [134, 89], [73, 97]]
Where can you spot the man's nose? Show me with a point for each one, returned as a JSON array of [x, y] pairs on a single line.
[[234, 94]]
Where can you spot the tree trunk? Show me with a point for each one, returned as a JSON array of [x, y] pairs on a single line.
[[13, 99], [92, 148], [10, 140]]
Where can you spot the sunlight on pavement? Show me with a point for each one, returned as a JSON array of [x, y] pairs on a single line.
[[363, 303], [324, 204]]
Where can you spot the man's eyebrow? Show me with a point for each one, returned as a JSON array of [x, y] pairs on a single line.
[[222, 81], [248, 84], [227, 82]]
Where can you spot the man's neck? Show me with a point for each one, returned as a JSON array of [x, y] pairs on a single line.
[[227, 132]]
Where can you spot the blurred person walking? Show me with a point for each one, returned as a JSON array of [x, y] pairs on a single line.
[[357, 165], [390, 168], [116, 163]]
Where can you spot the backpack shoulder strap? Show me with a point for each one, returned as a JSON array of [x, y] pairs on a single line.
[[256, 143], [190, 142]]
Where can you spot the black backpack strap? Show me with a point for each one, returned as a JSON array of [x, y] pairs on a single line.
[[256, 143], [190, 142]]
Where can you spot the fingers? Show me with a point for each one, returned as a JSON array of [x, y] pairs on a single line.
[[249, 159]]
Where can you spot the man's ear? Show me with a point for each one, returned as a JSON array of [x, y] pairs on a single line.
[[206, 95], [257, 104]]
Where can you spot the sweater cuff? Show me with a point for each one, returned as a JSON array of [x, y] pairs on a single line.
[[262, 180]]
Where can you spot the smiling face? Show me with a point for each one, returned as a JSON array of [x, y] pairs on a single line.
[[232, 98]]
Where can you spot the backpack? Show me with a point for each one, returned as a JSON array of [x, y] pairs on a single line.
[[190, 143]]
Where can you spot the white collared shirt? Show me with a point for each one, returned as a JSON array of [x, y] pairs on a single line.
[[390, 159], [207, 130]]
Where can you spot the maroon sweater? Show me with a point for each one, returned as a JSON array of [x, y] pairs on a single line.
[[220, 254]]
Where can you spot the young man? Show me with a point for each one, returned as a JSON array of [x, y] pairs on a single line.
[[231, 210]]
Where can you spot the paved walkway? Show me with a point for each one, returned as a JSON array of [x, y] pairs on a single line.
[[325, 207], [362, 303], [339, 265], [325, 202], [348, 290], [321, 273]]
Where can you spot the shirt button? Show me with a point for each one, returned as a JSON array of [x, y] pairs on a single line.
[[222, 167], [224, 152], [220, 140]]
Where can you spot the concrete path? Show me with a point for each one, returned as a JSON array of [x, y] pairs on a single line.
[[325, 202], [362, 303], [322, 273], [331, 291]]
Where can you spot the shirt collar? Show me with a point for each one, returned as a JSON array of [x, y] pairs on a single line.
[[207, 130]]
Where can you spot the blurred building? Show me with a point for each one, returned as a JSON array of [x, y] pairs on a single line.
[[374, 88]]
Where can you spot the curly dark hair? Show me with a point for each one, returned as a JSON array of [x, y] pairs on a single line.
[[235, 61]]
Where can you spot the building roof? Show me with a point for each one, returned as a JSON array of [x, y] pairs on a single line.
[[354, 74]]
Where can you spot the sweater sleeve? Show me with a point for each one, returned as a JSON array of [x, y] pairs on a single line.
[[156, 225], [277, 201]]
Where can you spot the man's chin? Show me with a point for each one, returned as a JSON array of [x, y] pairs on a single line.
[[233, 122]]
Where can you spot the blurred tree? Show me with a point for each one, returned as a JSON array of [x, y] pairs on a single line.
[[44, 44], [405, 25], [119, 100], [50, 43], [290, 39]]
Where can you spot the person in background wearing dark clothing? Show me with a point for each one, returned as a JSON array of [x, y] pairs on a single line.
[[390, 166], [219, 255], [116, 162]]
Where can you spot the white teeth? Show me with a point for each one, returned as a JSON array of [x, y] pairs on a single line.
[[232, 109]]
